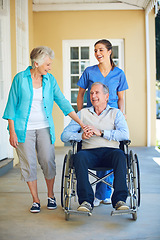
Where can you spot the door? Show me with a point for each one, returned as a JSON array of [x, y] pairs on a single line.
[[79, 54]]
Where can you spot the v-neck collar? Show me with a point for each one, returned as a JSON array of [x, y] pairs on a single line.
[[101, 73]]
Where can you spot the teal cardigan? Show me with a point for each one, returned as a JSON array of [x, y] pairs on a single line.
[[20, 100]]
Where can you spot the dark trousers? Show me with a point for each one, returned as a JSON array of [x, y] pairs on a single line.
[[100, 157]]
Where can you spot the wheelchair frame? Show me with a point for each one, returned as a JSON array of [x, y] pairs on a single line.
[[68, 182]]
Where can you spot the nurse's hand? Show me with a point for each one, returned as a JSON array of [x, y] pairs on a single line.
[[87, 135]]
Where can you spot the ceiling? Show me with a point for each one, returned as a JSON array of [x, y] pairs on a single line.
[[81, 5], [140, 4]]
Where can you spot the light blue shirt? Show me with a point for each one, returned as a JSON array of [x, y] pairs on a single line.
[[120, 133], [115, 81], [20, 100]]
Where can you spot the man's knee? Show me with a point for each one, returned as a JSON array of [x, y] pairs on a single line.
[[119, 157], [80, 160]]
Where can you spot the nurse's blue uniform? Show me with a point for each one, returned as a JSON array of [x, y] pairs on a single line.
[[116, 82]]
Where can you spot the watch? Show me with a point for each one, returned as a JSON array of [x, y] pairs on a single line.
[[102, 133]]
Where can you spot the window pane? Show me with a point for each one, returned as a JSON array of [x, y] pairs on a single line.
[[84, 52], [74, 96], [0, 52], [0, 30], [84, 64], [74, 67], [115, 51], [74, 53], [74, 80], [75, 108], [116, 62], [85, 97], [1, 70], [1, 90]]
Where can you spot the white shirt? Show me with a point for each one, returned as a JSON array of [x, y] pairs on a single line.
[[37, 117]]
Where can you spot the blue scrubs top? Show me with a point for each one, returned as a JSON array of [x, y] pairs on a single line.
[[115, 81]]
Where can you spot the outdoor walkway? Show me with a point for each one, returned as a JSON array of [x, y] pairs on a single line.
[[17, 223]]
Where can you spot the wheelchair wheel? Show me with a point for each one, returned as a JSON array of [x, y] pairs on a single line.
[[138, 179], [134, 215], [67, 207], [67, 216], [65, 176], [134, 184]]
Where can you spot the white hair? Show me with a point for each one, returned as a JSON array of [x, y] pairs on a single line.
[[38, 55], [105, 88]]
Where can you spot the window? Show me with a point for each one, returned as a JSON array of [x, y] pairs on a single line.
[[77, 55], [3, 7], [22, 35], [79, 60], [6, 150]]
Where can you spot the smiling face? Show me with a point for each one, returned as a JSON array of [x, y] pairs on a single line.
[[101, 53], [45, 67], [98, 97]]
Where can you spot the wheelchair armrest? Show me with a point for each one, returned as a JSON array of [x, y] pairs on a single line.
[[79, 144], [126, 142], [73, 143]]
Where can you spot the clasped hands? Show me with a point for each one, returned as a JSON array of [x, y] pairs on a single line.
[[89, 131]]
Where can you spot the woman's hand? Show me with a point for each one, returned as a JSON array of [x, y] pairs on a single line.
[[87, 132], [13, 139]]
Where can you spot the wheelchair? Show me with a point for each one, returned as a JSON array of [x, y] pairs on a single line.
[[68, 181]]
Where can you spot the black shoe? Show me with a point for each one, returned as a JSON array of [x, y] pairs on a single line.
[[36, 208], [51, 203]]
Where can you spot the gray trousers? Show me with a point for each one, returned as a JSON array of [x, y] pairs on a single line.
[[37, 146]]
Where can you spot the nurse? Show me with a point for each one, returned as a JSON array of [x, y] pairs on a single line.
[[107, 73]]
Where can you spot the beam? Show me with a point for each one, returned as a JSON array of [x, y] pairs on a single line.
[[84, 6]]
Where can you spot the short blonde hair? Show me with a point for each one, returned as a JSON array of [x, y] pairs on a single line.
[[38, 55]]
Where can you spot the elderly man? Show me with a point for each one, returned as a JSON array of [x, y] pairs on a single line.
[[105, 127]]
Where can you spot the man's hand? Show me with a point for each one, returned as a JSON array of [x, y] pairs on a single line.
[[89, 131], [95, 131]]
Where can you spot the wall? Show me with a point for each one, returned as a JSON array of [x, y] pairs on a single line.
[[30, 23], [153, 76], [50, 28], [13, 38], [13, 42]]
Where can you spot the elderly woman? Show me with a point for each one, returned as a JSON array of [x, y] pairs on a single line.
[[31, 127]]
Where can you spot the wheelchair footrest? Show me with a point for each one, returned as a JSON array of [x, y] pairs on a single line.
[[77, 212], [121, 212]]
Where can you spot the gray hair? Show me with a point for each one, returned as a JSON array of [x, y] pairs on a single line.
[[105, 88], [38, 55]]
